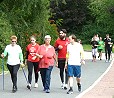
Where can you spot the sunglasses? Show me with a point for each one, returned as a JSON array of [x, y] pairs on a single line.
[[32, 40], [13, 41]]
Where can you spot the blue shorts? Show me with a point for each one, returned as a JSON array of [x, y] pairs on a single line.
[[74, 70]]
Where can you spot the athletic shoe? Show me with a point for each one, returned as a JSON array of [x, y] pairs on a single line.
[[79, 87], [70, 91], [14, 89], [29, 86], [62, 86], [47, 91], [36, 85], [65, 87], [106, 61]]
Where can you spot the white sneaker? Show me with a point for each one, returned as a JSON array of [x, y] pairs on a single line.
[[36, 85], [62, 86], [106, 61]]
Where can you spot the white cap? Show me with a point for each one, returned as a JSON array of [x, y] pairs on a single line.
[[47, 36]]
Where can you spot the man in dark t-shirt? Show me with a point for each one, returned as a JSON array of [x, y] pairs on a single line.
[[108, 45], [94, 45]]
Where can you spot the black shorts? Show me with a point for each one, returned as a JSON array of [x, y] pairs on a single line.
[[99, 50]]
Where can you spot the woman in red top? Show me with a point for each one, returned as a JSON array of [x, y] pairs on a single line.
[[47, 62], [32, 61]]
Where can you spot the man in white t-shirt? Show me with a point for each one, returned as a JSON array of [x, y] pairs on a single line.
[[75, 58]]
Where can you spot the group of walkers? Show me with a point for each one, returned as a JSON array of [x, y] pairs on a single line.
[[42, 58], [98, 44]]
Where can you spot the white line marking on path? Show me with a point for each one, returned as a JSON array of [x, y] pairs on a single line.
[[96, 82]]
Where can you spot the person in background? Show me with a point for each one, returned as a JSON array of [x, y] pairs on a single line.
[[47, 56], [96, 37], [15, 58], [79, 41], [74, 59], [108, 47], [61, 48], [32, 61], [100, 47], [94, 45]]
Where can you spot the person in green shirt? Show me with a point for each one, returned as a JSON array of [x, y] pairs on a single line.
[[100, 47]]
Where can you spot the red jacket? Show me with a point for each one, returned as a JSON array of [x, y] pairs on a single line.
[[48, 56]]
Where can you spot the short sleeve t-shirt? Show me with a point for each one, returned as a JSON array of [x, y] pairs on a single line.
[[74, 53], [62, 52], [32, 49]]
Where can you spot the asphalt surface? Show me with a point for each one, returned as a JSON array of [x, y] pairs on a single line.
[[91, 71]]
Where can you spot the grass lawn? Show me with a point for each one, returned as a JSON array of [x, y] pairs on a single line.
[[88, 48]]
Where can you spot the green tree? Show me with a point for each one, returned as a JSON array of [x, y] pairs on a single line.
[[5, 31], [28, 17], [72, 13], [102, 21]]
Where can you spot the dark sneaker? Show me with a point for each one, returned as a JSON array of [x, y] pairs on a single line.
[[65, 87], [79, 87], [47, 91], [14, 89], [70, 91], [29, 87]]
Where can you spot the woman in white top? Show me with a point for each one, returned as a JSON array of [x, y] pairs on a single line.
[[15, 58]]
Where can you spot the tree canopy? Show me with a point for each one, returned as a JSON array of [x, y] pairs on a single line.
[[84, 18]]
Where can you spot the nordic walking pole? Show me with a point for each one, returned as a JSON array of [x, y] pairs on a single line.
[[25, 76], [3, 73], [64, 77]]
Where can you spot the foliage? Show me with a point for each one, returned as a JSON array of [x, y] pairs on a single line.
[[103, 18], [85, 18], [73, 12], [26, 18], [5, 31]]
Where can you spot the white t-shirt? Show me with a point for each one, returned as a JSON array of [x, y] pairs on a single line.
[[74, 52], [13, 54]]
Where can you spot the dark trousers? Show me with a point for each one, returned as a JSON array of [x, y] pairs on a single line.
[[13, 71], [46, 76], [61, 66], [30, 71], [107, 53]]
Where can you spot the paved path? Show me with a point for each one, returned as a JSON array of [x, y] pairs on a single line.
[[90, 73], [103, 86]]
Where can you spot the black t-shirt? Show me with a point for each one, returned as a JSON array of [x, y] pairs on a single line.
[[106, 42], [93, 43]]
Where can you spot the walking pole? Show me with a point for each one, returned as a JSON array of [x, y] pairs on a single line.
[[25, 77], [3, 73], [24, 74], [64, 78]]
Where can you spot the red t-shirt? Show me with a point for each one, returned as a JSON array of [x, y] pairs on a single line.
[[62, 52], [32, 52], [48, 56]]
